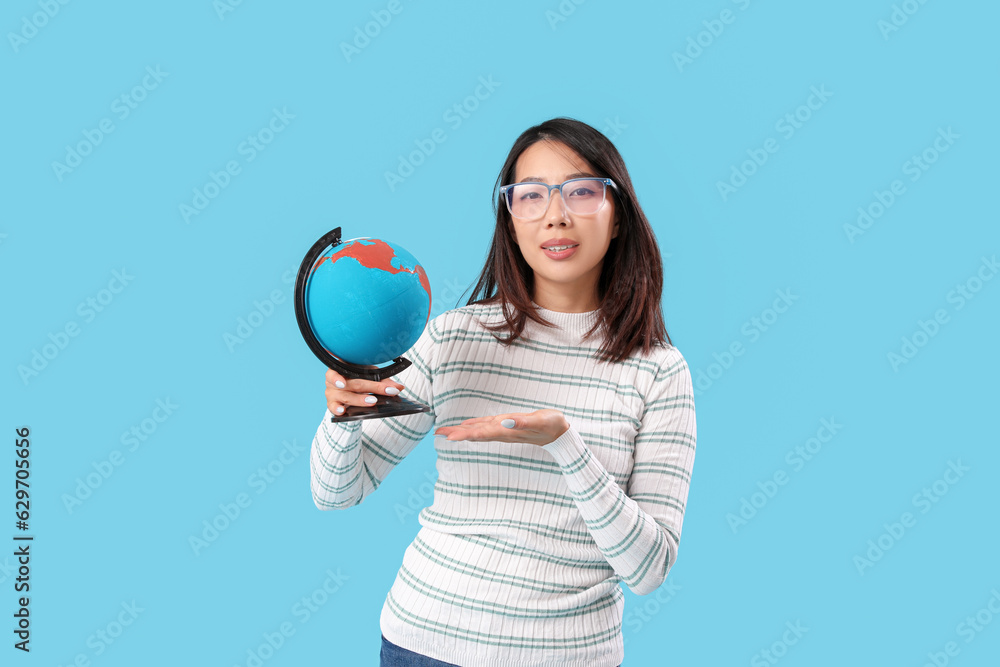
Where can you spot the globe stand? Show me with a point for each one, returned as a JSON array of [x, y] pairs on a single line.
[[387, 406]]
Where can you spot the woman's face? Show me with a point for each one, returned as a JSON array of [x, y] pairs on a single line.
[[570, 278]]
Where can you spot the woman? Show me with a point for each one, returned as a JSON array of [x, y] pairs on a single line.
[[566, 428]]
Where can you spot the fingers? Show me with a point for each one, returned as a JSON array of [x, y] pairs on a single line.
[[507, 421], [478, 433], [476, 430], [333, 378], [477, 420], [341, 392], [456, 433], [537, 428], [517, 417]]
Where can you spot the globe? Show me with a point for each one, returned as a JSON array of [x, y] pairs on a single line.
[[368, 301]]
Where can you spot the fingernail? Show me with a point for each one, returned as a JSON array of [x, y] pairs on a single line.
[[370, 399], [340, 385], [392, 391], [507, 423], [339, 410]]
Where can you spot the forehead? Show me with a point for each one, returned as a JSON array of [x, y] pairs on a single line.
[[551, 161]]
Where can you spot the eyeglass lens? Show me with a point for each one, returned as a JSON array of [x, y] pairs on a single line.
[[530, 200]]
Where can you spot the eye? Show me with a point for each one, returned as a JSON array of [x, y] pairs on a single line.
[[529, 192], [584, 188]]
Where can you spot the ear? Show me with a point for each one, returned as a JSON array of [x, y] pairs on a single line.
[[614, 232]]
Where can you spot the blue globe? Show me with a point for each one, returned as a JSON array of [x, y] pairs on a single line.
[[367, 301]]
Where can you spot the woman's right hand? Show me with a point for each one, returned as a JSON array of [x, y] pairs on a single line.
[[341, 393]]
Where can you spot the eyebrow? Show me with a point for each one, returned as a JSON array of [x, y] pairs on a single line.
[[537, 179]]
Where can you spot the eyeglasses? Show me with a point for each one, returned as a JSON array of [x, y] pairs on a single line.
[[530, 201]]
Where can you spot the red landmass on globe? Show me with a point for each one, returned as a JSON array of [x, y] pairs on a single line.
[[377, 254]]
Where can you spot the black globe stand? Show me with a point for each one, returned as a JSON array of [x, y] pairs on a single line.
[[387, 406]]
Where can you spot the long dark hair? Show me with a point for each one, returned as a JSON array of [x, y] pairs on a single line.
[[631, 280]]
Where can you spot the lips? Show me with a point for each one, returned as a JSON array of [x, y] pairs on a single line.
[[560, 254], [558, 242]]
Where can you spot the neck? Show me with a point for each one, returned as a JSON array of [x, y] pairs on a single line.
[[566, 303]]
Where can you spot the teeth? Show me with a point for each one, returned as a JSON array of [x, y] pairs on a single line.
[[560, 248]]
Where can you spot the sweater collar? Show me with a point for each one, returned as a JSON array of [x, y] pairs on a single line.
[[573, 323]]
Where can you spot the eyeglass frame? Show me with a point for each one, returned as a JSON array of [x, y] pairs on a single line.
[[504, 189]]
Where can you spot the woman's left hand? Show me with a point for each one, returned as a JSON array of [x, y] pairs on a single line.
[[536, 428]]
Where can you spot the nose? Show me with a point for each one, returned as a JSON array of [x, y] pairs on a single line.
[[556, 214]]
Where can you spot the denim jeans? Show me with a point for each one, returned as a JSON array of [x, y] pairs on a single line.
[[397, 656]]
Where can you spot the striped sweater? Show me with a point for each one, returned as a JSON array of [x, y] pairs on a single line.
[[519, 556]]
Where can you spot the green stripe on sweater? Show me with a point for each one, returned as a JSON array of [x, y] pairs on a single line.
[[493, 639]]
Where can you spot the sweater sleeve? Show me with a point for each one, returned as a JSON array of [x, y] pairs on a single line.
[[349, 460], [639, 531]]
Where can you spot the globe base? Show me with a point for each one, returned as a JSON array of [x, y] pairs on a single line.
[[387, 406]]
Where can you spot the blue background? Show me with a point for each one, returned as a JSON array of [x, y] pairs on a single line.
[[682, 128]]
